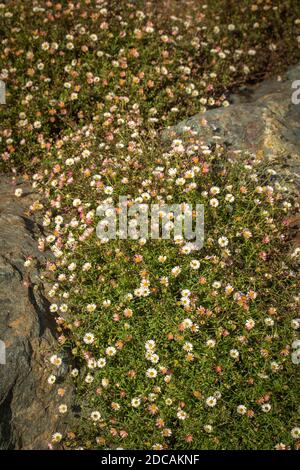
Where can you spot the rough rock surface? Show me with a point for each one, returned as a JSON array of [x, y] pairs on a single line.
[[261, 119], [28, 405]]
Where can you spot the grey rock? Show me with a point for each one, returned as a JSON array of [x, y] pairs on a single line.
[[28, 405], [261, 120]]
